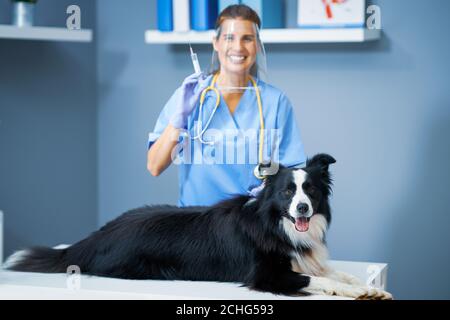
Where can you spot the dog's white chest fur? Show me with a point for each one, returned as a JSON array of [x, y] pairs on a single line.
[[314, 261]]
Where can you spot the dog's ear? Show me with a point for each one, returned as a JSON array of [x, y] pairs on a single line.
[[321, 160]]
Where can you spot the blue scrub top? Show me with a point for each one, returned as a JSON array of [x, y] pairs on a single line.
[[209, 174]]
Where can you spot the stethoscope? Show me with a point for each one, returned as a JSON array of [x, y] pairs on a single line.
[[200, 131]]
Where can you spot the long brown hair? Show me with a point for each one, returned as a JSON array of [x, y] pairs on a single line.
[[240, 11]]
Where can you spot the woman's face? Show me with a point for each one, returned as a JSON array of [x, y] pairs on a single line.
[[237, 46]]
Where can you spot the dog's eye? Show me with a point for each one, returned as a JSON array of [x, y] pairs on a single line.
[[288, 193]]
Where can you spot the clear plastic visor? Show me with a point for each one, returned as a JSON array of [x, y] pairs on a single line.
[[239, 57]]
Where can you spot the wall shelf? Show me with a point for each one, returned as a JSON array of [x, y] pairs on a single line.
[[349, 35], [45, 33]]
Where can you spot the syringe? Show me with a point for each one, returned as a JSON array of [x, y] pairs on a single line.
[[195, 61]]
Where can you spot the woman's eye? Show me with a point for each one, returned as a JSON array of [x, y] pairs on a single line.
[[228, 38]]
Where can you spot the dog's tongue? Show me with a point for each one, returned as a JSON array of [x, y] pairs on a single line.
[[302, 224]]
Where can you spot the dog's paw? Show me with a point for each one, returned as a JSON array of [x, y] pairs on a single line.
[[346, 278], [324, 286], [331, 287], [342, 290], [375, 294]]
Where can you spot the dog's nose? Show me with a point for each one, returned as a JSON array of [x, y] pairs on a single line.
[[302, 208]]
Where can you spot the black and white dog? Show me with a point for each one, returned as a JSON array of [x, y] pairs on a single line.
[[274, 242]]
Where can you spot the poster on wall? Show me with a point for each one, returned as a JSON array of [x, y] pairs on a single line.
[[331, 13]]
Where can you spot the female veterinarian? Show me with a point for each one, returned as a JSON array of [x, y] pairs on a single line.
[[231, 124]]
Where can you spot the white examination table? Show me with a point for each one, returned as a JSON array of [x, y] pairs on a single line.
[[24, 285]]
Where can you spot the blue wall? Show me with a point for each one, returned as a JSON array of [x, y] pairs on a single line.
[[48, 137], [134, 82], [382, 109]]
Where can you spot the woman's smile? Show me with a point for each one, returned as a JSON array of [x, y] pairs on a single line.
[[237, 59]]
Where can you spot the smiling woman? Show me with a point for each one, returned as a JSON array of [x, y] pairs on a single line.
[[238, 50], [209, 112], [236, 46]]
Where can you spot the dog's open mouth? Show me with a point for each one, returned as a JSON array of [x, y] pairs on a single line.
[[302, 224]]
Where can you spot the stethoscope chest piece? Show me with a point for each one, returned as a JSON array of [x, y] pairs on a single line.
[[262, 170]]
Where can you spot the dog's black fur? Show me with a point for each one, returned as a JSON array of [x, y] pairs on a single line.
[[237, 240]]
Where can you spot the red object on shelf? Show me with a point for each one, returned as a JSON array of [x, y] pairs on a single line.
[[328, 3]]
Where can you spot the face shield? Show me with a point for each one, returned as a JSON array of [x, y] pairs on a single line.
[[238, 53]]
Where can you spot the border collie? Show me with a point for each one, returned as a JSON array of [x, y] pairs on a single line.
[[274, 242]]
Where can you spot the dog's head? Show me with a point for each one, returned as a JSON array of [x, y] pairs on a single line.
[[301, 195]]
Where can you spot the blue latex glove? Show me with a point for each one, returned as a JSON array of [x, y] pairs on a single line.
[[191, 89], [257, 190]]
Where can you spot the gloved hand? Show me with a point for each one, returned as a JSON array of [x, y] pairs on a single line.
[[191, 90], [254, 192]]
